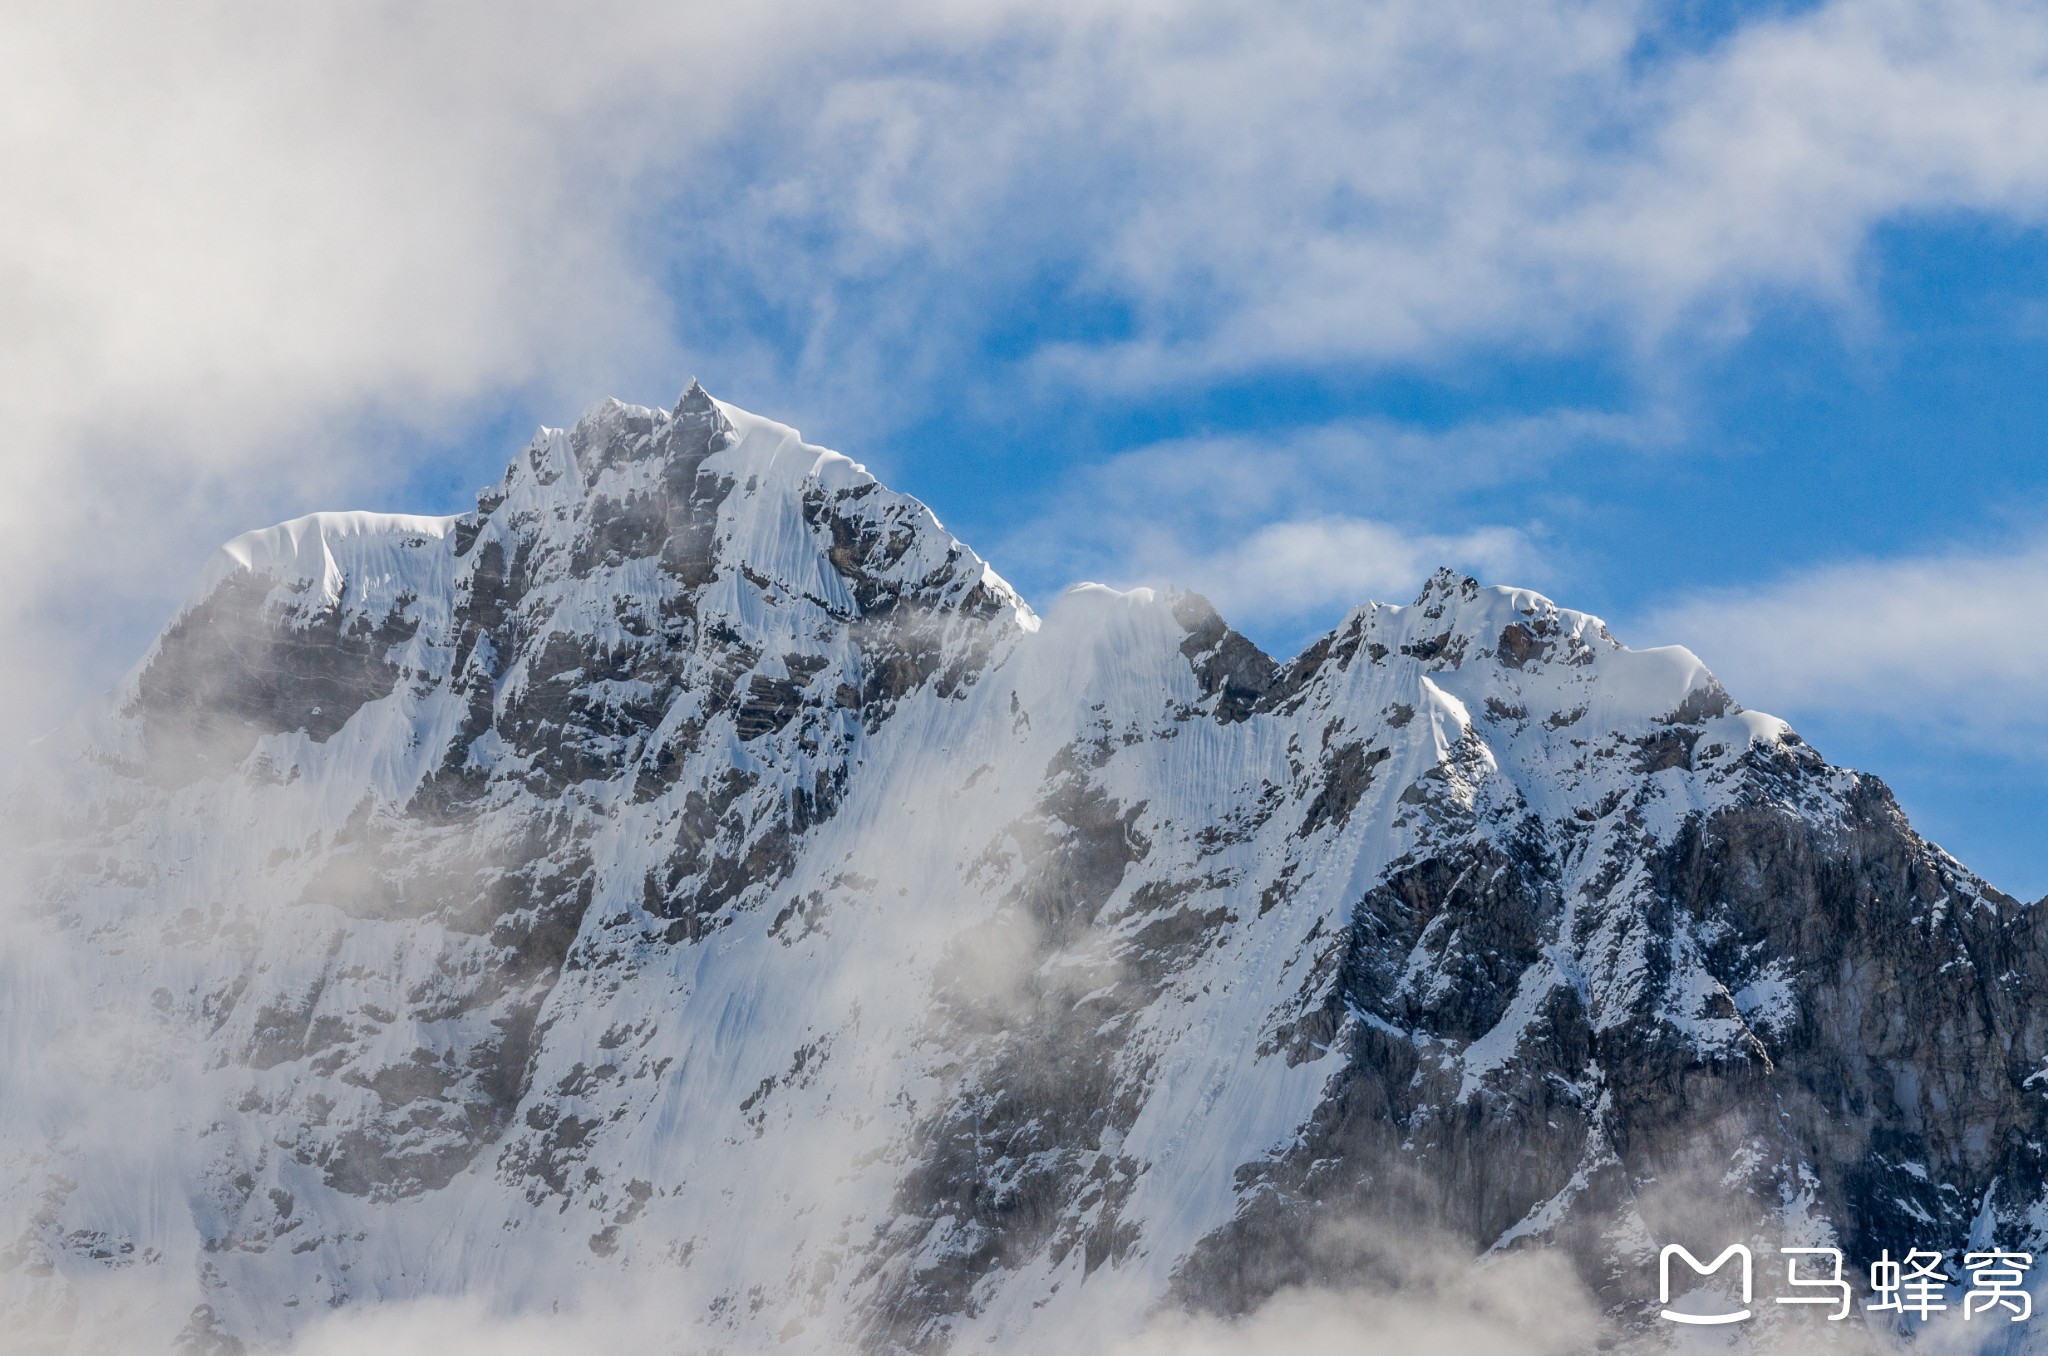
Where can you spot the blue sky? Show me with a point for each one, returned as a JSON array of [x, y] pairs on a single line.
[[1727, 323]]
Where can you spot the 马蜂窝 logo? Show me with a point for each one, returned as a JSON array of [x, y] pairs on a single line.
[[1672, 1250], [1916, 1285]]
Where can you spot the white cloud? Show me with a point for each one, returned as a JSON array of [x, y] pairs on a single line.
[[1302, 568], [245, 249], [1774, 157], [230, 224], [1316, 183], [238, 239], [1285, 534], [1949, 648]]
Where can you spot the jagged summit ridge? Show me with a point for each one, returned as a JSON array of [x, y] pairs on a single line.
[[638, 535], [695, 864]]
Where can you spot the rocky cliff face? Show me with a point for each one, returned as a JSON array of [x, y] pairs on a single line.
[[694, 869]]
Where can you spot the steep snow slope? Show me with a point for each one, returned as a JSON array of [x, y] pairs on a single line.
[[695, 871]]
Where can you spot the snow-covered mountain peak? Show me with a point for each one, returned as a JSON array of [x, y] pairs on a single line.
[[729, 479], [640, 553], [1514, 644], [695, 865]]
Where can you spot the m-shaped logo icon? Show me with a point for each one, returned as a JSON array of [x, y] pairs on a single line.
[[1707, 1269]]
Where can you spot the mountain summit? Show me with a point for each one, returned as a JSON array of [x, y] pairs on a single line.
[[695, 869]]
